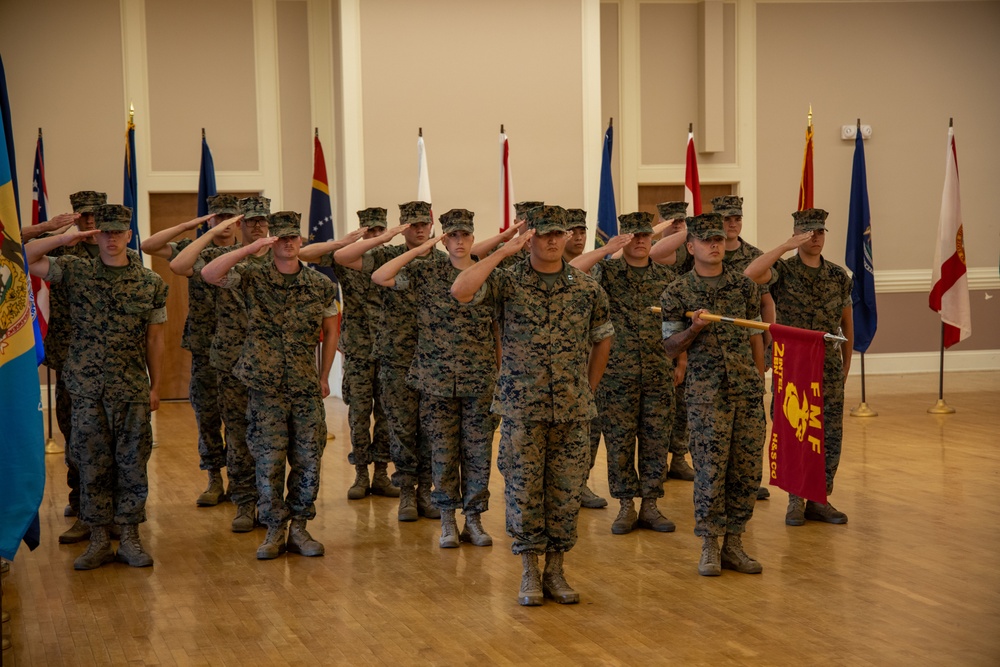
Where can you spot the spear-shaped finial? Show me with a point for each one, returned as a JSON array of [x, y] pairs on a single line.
[[950, 123], [690, 128], [420, 131], [131, 112], [611, 122], [202, 133], [859, 125], [39, 133], [501, 128], [810, 115], [316, 134]]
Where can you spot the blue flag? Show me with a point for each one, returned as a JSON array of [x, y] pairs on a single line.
[[39, 213], [607, 217], [859, 253], [320, 212], [131, 187], [22, 436], [206, 182]]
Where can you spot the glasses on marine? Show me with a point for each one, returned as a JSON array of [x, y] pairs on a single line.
[[261, 222]]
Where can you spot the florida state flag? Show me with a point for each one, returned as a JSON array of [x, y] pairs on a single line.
[[796, 453]]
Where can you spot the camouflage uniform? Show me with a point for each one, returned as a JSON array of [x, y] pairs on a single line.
[[394, 344], [635, 397], [454, 368], [360, 386], [724, 392], [815, 299], [545, 400], [286, 420], [230, 333], [105, 373]]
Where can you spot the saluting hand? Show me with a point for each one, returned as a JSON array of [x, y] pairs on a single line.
[[508, 234], [616, 243], [72, 238], [388, 234], [263, 242], [515, 245], [798, 240], [197, 222], [225, 224]]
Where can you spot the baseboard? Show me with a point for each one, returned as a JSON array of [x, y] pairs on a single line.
[[895, 363]]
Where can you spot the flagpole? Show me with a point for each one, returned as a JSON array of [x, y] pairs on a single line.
[[863, 410], [941, 408], [748, 324], [51, 446]]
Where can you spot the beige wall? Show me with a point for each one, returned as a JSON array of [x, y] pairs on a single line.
[[610, 93], [66, 79], [459, 69], [296, 129]]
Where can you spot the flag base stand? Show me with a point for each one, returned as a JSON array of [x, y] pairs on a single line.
[[53, 447], [863, 411], [941, 408]]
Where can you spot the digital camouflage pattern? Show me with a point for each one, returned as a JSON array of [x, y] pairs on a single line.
[[635, 397], [86, 201], [815, 299], [286, 429], [230, 312], [408, 445], [361, 389], [723, 392], [459, 430], [546, 338], [545, 466], [60, 329], [233, 398]]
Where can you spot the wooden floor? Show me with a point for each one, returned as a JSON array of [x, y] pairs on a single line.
[[913, 579]]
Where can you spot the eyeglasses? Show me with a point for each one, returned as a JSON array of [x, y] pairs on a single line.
[[256, 222]]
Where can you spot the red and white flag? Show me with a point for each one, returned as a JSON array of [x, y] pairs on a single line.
[[692, 186], [506, 184], [39, 213], [423, 178], [949, 282]]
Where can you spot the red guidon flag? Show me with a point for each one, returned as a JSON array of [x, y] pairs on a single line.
[[796, 453], [692, 184]]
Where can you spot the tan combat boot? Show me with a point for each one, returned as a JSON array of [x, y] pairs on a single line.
[[474, 531], [816, 512], [795, 515], [301, 542], [407, 504], [651, 518], [591, 500], [361, 486], [273, 544], [679, 468], [627, 518], [710, 564], [245, 518], [98, 552], [449, 530], [130, 549], [381, 484], [554, 581], [734, 558], [214, 493], [425, 506], [78, 532], [530, 594]]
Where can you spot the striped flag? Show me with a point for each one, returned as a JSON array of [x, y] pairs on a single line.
[[22, 443], [131, 184], [423, 178], [206, 182], [39, 213], [692, 186], [806, 183], [320, 210], [607, 217], [506, 184], [950, 284]]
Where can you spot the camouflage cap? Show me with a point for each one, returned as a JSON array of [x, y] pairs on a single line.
[[810, 220], [576, 217], [223, 205], [457, 219], [113, 217], [415, 212], [86, 201], [672, 210], [545, 219], [284, 223], [373, 217], [255, 207], [727, 205], [639, 222], [706, 226], [521, 208]]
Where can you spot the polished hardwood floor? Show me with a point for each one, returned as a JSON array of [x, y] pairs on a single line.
[[912, 579]]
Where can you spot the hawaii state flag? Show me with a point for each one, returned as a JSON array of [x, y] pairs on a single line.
[[607, 216], [39, 213], [949, 282], [506, 184], [796, 453], [692, 186]]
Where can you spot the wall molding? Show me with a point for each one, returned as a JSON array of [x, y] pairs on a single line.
[[894, 363], [919, 280], [352, 114], [590, 22]]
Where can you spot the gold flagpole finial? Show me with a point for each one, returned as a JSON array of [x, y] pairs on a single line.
[[501, 128], [131, 112], [316, 133], [202, 133], [420, 131], [810, 115], [39, 133]]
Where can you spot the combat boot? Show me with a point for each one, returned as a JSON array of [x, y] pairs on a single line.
[[816, 512], [301, 542], [627, 518], [679, 469], [71, 510], [130, 550], [115, 531], [407, 503], [98, 552], [530, 594], [361, 486], [273, 544], [763, 493], [381, 484], [449, 530], [245, 518], [425, 506], [651, 518], [591, 500], [710, 564], [795, 515], [78, 532], [214, 493], [554, 581], [734, 558], [474, 531]]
